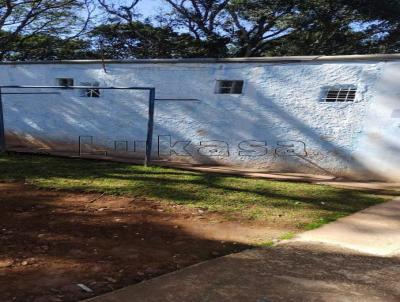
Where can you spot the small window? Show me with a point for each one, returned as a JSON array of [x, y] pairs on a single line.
[[344, 94], [65, 82], [229, 87], [90, 92]]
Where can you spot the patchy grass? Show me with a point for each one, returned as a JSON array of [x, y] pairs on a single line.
[[271, 243], [287, 236], [268, 243], [324, 220], [296, 205]]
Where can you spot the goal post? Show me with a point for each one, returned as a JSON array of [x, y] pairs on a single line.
[[151, 107]]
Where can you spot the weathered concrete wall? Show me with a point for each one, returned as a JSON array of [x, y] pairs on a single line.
[[280, 107]]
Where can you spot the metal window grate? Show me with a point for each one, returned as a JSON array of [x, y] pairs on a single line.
[[90, 92], [347, 94], [229, 87]]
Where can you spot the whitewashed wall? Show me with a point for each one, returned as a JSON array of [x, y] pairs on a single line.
[[378, 146], [280, 106]]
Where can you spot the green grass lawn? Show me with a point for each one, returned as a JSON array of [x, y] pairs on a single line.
[[296, 205]]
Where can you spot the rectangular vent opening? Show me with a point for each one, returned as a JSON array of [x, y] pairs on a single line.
[[346, 94], [229, 87]]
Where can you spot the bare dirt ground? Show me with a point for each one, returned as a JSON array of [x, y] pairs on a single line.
[[51, 241]]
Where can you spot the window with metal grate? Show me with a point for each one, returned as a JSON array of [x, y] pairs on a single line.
[[343, 94], [229, 87], [90, 92]]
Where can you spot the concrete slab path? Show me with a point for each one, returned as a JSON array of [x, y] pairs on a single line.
[[313, 267], [290, 272], [375, 230]]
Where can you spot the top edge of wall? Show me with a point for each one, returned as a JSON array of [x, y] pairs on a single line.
[[287, 60]]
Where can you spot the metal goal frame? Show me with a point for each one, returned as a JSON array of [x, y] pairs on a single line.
[[151, 104]]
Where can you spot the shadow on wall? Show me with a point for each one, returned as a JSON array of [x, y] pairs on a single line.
[[277, 122], [55, 123], [259, 116]]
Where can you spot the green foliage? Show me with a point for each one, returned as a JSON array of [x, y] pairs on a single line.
[[47, 47], [384, 32], [326, 27], [197, 28], [143, 40], [294, 27], [21, 20]]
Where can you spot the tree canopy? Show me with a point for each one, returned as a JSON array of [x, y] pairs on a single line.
[[71, 29]]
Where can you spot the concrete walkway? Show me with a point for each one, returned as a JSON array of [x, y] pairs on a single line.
[[296, 177], [313, 267], [375, 231]]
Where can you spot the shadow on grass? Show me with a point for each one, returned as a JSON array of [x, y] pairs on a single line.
[[82, 245], [212, 191]]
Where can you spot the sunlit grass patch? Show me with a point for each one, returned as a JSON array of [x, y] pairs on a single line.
[[293, 205]]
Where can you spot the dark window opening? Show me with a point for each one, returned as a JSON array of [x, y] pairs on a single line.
[[65, 82], [229, 87]]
